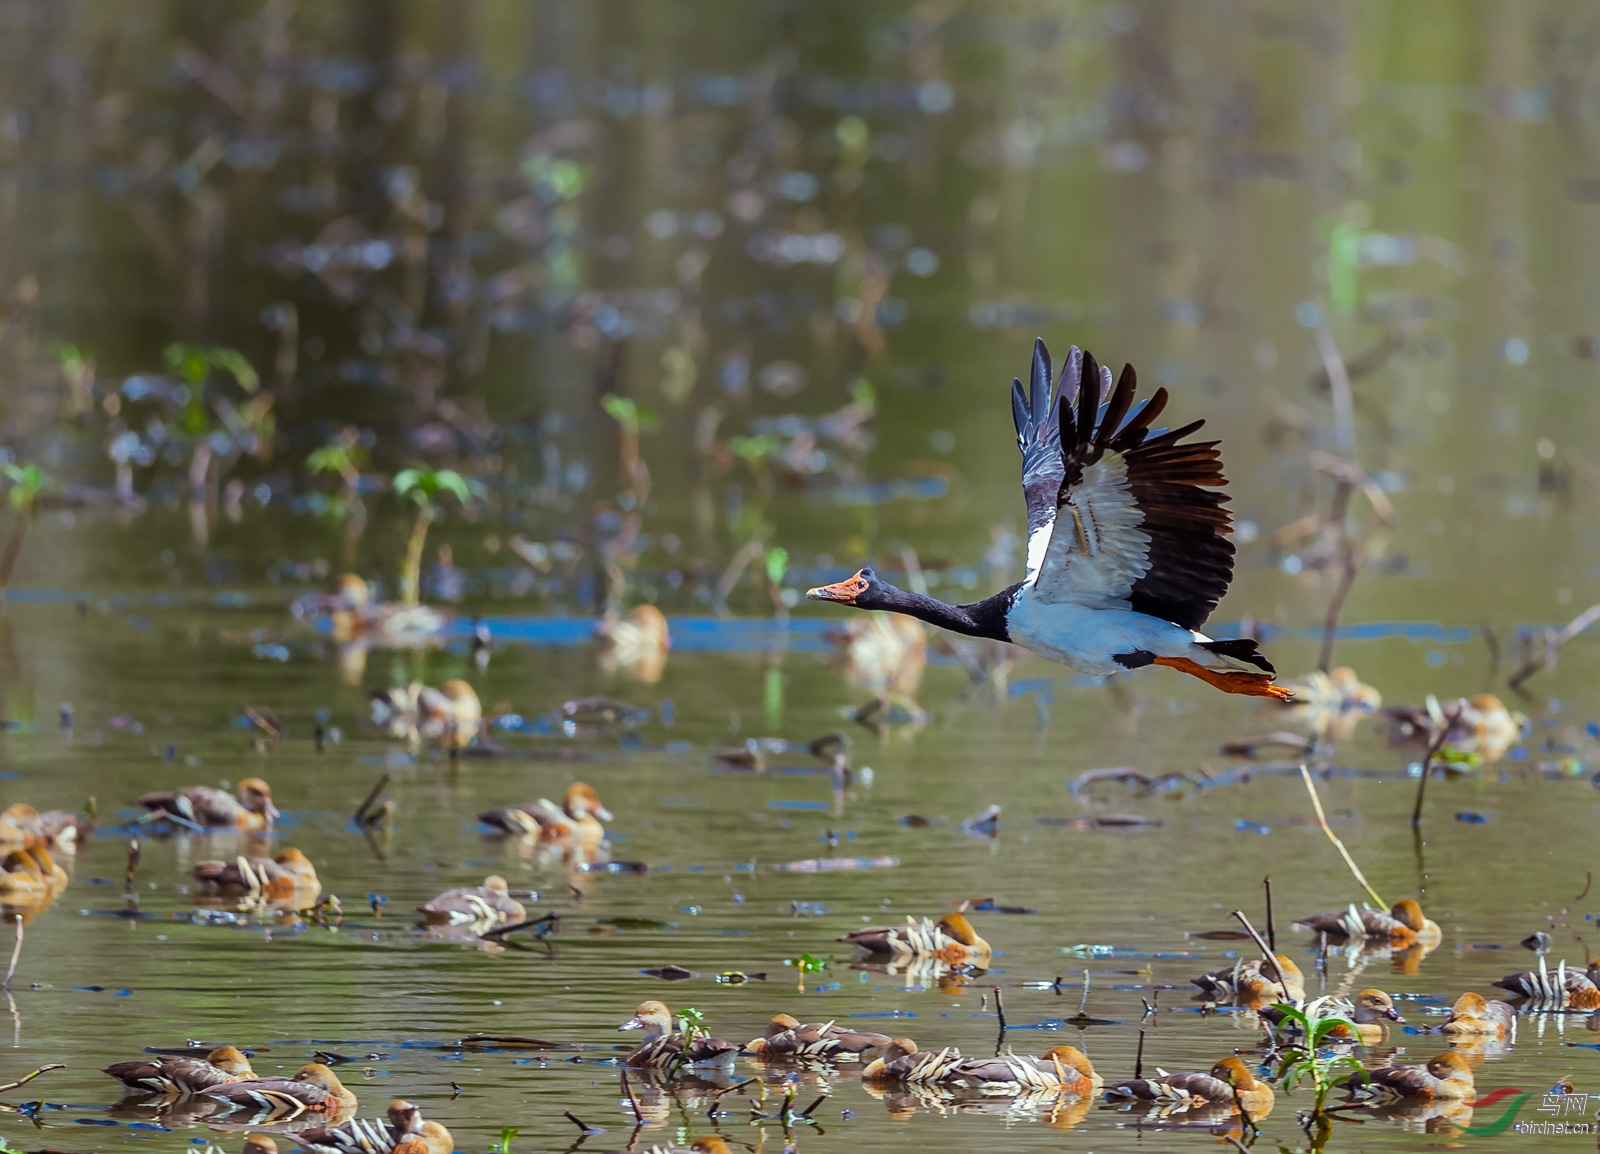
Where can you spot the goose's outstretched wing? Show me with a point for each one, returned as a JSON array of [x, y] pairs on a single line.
[[1038, 422], [1138, 522]]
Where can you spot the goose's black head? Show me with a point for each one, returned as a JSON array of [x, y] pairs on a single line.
[[864, 591]]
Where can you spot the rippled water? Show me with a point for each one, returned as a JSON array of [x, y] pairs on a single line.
[[1186, 187]]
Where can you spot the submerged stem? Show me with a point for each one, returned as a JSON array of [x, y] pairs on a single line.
[[411, 574]]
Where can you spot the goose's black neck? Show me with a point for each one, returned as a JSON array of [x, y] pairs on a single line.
[[986, 618]]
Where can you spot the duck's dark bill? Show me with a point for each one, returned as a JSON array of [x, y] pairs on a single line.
[[845, 592]]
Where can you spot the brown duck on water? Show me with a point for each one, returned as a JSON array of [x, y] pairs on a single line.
[[182, 1074], [576, 820], [1403, 925], [663, 1048], [951, 940], [1568, 988], [786, 1037], [63, 832], [209, 808], [487, 906], [404, 1133], [1229, 1083], [289, 876], [1445, 1078], [314, 1089]]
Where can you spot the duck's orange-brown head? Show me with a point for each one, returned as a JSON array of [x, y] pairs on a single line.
[[462, 697], [256, 796], [583, 801], [1375, 1005], [711, 1144], [1409, 913], [1291, 972], [1235, 1073], [957, 926], [316, 1074], [1470, 1005], [497, 884], [1072, 1057], [19, 814], [296, 862], [353, 592], [1450, 1067], [405, 1116], [652, 1016], [863, 590], [780, 1023], [258, 1144], [231, 1061], [898, 1048]]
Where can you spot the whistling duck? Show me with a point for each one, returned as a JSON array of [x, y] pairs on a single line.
[[1371, 1011], [1445, 1078], [63, 832], [289, 876], [636, 644], [1128, 549], [1474, 1016], [250, 809], [576, 821], [663, 1048], [883, 653], [951, 940], [314, 1089], [1255, 981], [29, 874], [1229, 1083], [387, 623], [182, 1074], [1571, 989], [788, 1038], [899, 1058], [484, 907], [1332, 703], [1403, 925], [451, 714], [1061, 1070], [1479, 724], [404, 1132]]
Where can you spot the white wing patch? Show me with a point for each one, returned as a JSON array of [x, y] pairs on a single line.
[[1038, 546], [1097, 550]]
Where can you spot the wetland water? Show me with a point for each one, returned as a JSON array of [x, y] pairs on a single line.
[[815, 242]]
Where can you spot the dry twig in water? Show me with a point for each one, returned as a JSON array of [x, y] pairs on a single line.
[[1434, 747], [1322, 820], [1553, 641], [23, 1081]]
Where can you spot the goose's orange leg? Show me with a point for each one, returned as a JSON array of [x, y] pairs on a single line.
[[1230, 681]]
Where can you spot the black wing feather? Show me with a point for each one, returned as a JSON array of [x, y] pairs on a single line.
[[1174, 483]]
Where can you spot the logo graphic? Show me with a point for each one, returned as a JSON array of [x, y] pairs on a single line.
[[1502, 1123]]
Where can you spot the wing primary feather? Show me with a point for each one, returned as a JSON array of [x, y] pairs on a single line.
[[1041, 381], [1172, 436], [1067, 382], [1088, 403], [1144, 415], [1020, 414], [1116, 408]]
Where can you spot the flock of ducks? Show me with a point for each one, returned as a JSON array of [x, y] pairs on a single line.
[[1128, 554]]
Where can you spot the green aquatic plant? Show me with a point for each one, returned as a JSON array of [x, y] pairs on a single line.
[[28, 482], [1305, 1062], [507, 1133], [425, 488]]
